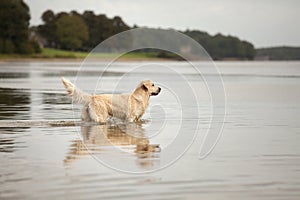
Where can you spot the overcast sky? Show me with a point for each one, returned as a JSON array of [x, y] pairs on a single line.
[[262, 22]]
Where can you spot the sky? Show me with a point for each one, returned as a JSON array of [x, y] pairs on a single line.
[[264, 23]]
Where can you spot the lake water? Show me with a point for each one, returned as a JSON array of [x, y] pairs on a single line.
[[47, 153]]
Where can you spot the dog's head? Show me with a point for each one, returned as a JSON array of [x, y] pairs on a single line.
[[149, 87]]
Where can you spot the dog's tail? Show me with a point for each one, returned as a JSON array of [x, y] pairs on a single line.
[[77, 95]]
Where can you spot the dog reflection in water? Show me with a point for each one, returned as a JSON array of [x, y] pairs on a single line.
[[129, 137]]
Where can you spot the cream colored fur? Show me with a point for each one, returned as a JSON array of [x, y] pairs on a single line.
[[98, 108]]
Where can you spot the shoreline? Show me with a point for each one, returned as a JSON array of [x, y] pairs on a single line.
[[122, 59], [7, 60]]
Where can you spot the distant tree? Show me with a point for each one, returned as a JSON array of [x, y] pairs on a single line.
[[279, 53], [101, 28], [249, 49], [71, 31], [48, 30], [78, 31], [119, 25], [14, 26], [97, 29], [221, 47]]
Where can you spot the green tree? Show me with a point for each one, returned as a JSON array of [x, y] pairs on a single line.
[[101, 28], [249, 49], [280, 53], [48, 30], [14, 26], [221, 47], [71, 31], [68, 30]]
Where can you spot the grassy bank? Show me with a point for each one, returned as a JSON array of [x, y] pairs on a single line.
[[48, 53]]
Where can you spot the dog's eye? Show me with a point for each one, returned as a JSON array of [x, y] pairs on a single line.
[[152, 84]]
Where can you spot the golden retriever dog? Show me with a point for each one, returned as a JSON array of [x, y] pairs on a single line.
[[98, 108]]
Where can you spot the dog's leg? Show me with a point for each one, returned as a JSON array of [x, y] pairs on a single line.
[[97, 112], [85, 116], [92, 113]]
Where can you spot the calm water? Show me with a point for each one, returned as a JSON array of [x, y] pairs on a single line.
[[47, 154]]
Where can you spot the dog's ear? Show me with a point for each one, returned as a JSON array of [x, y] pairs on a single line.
[[144, 87]]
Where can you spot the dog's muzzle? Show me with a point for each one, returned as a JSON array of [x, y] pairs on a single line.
[[156, 93]]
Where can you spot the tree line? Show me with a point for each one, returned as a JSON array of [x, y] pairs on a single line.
[[279, 53], [82, 32], [221, 47], [74, 31]]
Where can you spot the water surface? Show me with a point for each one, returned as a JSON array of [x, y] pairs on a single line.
[[42, 157]]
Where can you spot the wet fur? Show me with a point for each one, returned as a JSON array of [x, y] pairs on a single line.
[[98, 108]]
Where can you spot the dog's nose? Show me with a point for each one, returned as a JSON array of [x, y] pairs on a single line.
[[159, 89]]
